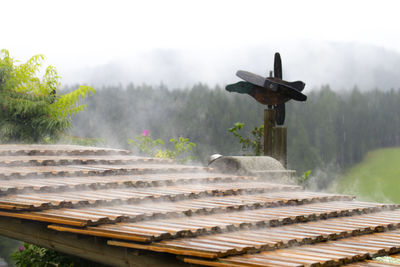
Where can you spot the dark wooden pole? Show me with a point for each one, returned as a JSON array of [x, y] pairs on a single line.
[[279, 133], [279, 144], [269, 124]]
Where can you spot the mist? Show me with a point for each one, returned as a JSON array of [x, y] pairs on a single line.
[[338, 64]]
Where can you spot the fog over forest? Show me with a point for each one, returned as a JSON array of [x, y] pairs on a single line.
[[341, 65]]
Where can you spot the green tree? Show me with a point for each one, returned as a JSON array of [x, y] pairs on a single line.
[[255, 143], [31, 108]]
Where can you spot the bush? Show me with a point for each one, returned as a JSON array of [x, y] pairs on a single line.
[[30, 255], [147, 146], [31, 109]]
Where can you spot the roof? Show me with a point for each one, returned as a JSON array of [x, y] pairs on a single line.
[[61, 196]]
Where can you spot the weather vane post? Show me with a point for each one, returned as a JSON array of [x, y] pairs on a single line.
[[273, 92]]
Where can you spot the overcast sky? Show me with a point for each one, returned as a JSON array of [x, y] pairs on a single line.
[[76, 34]]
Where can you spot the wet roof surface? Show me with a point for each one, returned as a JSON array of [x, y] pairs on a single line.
[[207, 218]]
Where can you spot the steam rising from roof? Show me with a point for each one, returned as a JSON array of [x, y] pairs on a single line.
[[341, 65]]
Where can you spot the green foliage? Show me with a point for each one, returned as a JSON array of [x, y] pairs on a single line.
[[376, 178], [146, 145], [31, 108], [302, 180], [180, 146], [255, 143], [30, 255], [156, 148]]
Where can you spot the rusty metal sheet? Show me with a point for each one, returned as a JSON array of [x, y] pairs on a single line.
[[157, 205], [220, 222], [55, 184], [18, 149], [291, 235], [270, 263], [198, 253], [348, 250], [198, 206], [117, 195], [49, 160], [99, 169], [135, 236]]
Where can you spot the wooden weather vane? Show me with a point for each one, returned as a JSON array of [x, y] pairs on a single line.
[[273, 92]]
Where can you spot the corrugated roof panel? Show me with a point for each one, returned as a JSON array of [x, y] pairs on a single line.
[[210, 218]]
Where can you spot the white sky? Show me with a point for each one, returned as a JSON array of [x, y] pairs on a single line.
[[74, 34]]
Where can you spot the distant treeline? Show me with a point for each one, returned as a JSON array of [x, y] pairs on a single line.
[[330, 129]]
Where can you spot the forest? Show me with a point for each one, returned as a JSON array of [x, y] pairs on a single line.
[[331, 131]]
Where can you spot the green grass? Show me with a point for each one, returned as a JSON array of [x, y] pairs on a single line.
[[376, 178]]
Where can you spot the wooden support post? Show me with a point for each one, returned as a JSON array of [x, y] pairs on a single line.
[[279, 144], [269, 123], [275, 138]]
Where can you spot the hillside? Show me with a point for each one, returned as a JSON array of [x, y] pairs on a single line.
[[376, 178], [341, 65]]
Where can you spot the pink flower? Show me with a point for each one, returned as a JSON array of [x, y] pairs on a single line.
[[21, 248], [145, 132]]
